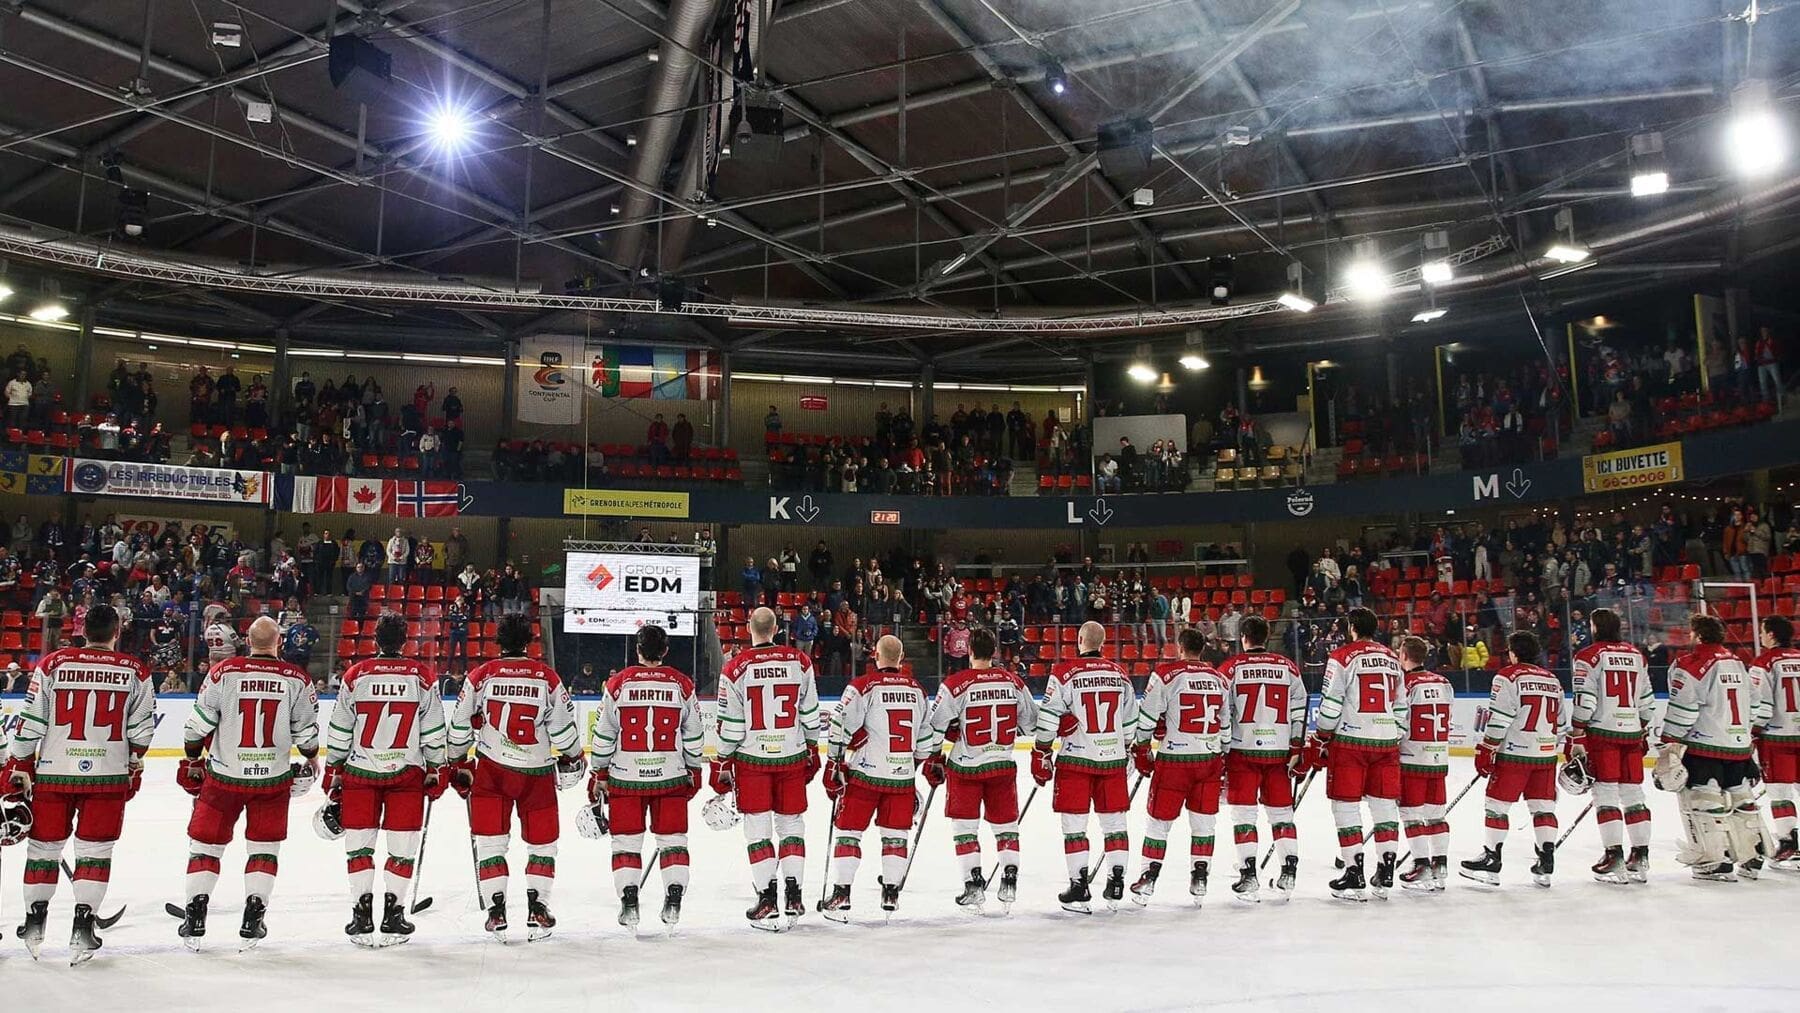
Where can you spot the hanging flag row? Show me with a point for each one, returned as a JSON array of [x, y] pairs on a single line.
[[341, 494], [671, 374]]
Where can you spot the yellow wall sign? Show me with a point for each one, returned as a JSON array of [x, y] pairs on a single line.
[[1632, 469], [624, 503]]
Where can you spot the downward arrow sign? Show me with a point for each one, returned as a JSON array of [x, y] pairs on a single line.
[[465, 499], [1518, 485], [1101, 513], [806, 511]]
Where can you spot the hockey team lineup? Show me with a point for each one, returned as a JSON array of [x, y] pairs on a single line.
[[1208, 738]]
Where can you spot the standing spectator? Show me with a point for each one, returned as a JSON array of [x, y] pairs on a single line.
[[325, 563], [457, 616], [683, 436], [453, 406], [456, 553], [423, 395], [772, 421], [513, 591], [771, 582], [751, 575], [50, 612], [200, 394], [657, 436], [399, 554], [820, 564], [430, 446], [805, 630], [298, 642], [1768, 367], [1159, 618], [424, 560], [790, 568], [18, 399]]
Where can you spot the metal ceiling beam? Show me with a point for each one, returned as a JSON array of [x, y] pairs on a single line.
[[1465, 42]]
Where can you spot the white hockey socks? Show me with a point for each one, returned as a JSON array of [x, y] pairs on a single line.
[[1006, 844], [846, 856], [1281, 827], [893, 855], [1156, 839], [1416, 819], [403, 855], [1116, 846], [1610, 814], [674, 859], [1781, 808], [260, 865], [627, 860], [1384, 813], [1439, 838], [1543, 820], [359, 858], [42, 869], [759, 833], [1348, 817], [540, 869], [490, 864], [1075, 843], [1200, 830], [93, 871], [791, 845], [1243, 830], [966, 835], [1497, 822], [203, 867], [1637, 814]]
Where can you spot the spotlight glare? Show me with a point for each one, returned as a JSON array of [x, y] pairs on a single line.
[[5, 291], [48, 312], [1436, 272], [1649, 184], [450, 127], [1296, 302], [1566, 253], [1141, 373], [1756, 142], [1427, 316], [1194, 361], [1366, 281]]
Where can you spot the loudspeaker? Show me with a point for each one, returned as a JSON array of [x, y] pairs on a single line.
[[759, 133], [1124, 148], [358, 68]]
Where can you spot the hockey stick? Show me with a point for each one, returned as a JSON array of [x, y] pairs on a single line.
[[1022, 811], [924, 814], [1459, 797], [1575, 823], [110, 920], [1299, 796], [419, 869], [830, 836], [1093, 870], [474, 855]]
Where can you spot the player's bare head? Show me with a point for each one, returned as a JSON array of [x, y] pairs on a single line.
[[1707, 629], [762, 625], [390, 634], [1362, 622], [1255, 632], [888, 651], [1193, 643], [652, 644], [981, 646], [265, 633], [101, 626], [514, 633], [1092, 635], [1606, 625], [1780, 629], [1414, 649], [1523, 646]]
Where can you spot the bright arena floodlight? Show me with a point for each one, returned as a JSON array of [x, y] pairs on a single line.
[[1194, 361], [1755, 142], [1566, 253], [1297, 302], [1141, 372], [1649, 184], [1436, 272], [49, 312], [450, 127], [1427, 316], [1366, 281]]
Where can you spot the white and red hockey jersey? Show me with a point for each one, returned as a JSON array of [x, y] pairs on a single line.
[[1613, 696], [1777, 676], [256, 711], [1099, 694], [221, 641], [647, 731], [1711, 703], [87, 719], [389, 718], [1364, 703], [885, 711], [1425, 748], [1526, 716], [989, 708], [1187, 705], [1268, 704], [516, 712], [768, 707]]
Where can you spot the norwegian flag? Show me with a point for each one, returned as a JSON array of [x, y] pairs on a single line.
[[427, 499]]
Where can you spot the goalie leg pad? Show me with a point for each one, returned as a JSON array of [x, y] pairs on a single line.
[[1704, 813], [1744, 829]]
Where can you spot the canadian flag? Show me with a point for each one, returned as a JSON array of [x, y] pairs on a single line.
[[335, 495]]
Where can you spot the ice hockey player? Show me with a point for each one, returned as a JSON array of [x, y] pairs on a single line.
[[768, 730], [1517, 754], [1361, 715], [1090, 771], [1613, 706], [517, 714], [646, 754], [1424, 764], [883, 711], [981, 711], [1777, 674], [78, 752], [1184, 706], [1268, 739], [250, 715], [384, 755], [1706, 757], [221, 637]]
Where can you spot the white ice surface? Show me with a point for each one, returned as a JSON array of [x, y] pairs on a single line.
[[1672, 945]]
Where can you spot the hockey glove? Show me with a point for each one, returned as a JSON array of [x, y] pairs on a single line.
[[191, 774], [1575, 745], [812, 761], [858, 740], [933, 769], [835, 782], [1669, 774], [136, 774], [437, 781], [694, 780], [1318, 753], [333, 785], [719, 775], [462, 777], [1296, 761], [1484, 758], [17, 774], [1066, 726], [597, 784], [1143, 759], [1043, 764]]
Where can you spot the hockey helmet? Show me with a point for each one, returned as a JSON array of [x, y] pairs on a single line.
[[15, 819], [1574, 777], [328, 822], [305, 776], [570, 770], [721, 812], [591, 821]]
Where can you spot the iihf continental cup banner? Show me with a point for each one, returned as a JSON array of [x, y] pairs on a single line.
[[549, 380], [166, 481]]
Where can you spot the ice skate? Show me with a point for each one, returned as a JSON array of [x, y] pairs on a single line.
[[1009, 887], [496, 917], [628, 907], [1787, 853], [1715, 872], [254, 929], [1637, 865], [1545, 866], [1440, 873], [1247, 889], [395, 928], [1197, 882], [1285, 879], [361, 928], [1383, 880], [836, 908], [1351, 885], [1076, 897], [890, 898], [671, 909], [1114, 891], [765, 914], [794, 905], [193, 922], [31, 930], [1611, 866], [538, 919], [1486, 869], [82, 940], [974, 893], [1146, 884], [1419, 877]]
